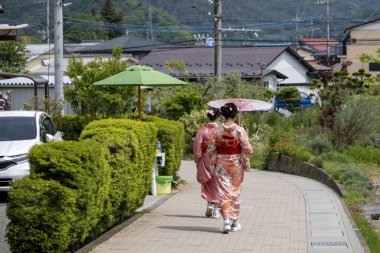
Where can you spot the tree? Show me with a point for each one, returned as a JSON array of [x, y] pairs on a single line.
[[113, 17], [335, 89], [86, 98], [291, 96], [74, 32], [12, 57]]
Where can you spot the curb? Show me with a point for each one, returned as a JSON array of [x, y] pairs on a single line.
[[145, 208]]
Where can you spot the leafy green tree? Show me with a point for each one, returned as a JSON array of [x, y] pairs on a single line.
[[175, 102], [86, 98], [112, 17], [12, 57], [95, 30], [181, 103], [291, 96], [335, 89]]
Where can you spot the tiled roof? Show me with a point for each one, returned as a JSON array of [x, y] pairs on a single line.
[[127, 43], [199, 61], [318, 44]]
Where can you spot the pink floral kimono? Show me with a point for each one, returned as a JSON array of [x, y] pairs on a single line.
[[229, 151], [209, 190]]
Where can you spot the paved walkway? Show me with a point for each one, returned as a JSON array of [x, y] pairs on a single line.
[[280, 213]]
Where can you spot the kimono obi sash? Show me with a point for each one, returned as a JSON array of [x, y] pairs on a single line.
[[228, 145], [229, 150]]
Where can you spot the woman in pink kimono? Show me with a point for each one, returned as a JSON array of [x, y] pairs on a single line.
[[209, 190], [229, 151]]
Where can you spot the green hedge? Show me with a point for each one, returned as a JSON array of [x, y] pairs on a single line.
[[131, 145], [41, 215], [71, 126], [83, 167], [79, 189]]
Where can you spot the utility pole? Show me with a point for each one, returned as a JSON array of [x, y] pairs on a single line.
[[326, 2], [296, 37], [48, 43], [262, 66], [58, 46], [218, 39], [328, 31]]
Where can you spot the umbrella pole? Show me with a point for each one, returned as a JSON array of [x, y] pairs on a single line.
[[139, 102]]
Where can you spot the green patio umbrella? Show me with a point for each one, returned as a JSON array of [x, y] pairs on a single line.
[[140, 76]]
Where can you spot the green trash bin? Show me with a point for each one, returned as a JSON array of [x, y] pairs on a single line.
[[164, 184]]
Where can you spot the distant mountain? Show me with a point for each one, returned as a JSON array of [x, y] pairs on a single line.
[[243, 21], [275, 19]]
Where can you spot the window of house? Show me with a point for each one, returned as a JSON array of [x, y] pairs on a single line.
[[373, 66]]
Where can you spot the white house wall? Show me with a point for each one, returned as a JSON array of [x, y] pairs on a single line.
[[20, 95], [288, 65], [272, 82]]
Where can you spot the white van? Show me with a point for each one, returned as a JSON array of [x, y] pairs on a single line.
[[19, 131]]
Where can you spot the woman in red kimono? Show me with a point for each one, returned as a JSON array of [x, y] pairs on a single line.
[[229, 151], [209, 190]]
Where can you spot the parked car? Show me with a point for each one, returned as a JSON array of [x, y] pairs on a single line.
[[305, 101], [19, 131]]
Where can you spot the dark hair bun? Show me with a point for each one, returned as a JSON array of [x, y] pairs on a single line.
[[229, 110], [213, 113]]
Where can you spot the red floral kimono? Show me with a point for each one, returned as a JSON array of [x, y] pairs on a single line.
[[209, 190], [229, 151]]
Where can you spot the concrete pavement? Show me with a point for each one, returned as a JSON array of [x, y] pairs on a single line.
[[280, 213]]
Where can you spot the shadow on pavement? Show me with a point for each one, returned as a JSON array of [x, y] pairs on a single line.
[[196, 229], [186, 216]]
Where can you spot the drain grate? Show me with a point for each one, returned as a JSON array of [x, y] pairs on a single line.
[[319, 244]]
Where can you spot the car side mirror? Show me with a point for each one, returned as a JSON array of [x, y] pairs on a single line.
[[49, 138]]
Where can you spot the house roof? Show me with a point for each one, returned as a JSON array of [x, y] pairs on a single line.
[[199, 61], [127, 43], [31, 77], [9, 32], [27, 81], [337, 49], [318, 44], [365, 23]]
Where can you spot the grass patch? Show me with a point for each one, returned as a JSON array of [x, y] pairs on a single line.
[[368, 232]]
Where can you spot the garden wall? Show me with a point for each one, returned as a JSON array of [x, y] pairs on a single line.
[[290, 165]]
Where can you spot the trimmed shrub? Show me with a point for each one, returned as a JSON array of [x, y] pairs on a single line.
[[83, 167], [132, 148], [71, 126], [41, 216]]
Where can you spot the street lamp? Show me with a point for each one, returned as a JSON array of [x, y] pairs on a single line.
[[326, 2]]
